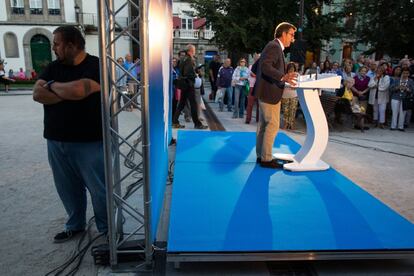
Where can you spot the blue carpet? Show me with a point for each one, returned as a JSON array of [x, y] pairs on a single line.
[[223, 202]]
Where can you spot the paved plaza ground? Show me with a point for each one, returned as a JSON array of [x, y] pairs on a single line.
[[380, 161]]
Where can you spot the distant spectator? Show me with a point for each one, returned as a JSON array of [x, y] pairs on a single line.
[[321, 67], [358, 64], [176, 92], [326, 67], [4, 78], [130, 67], [198, 91], [335, 69], [241, 82], [21, 75], [213, 69], [11, 74], [343, 105], [372, 69], [347, 61], [396, 74], [405, 63], [289, 101], [251, 98], [33, 74], [224, 87], [360, 88], [349, 104], [400, 90], [412, 69], [379, 96], [121, 85], [387, 69], [347, 72], [313, 69], [137, 69]]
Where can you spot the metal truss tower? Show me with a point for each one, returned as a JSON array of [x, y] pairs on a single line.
[[126, 146]]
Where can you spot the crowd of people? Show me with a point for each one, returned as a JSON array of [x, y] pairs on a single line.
[[8, 78], [126, 84], [377, 91]]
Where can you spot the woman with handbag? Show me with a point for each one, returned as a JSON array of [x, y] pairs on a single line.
[[241, 81], [401, 99]]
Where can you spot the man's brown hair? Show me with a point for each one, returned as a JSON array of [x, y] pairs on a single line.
[[282, 28]]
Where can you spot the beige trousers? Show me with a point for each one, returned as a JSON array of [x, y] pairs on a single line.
[[267, 128]]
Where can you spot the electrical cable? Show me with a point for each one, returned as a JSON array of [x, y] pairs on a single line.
[[170, 173], [78, 253]]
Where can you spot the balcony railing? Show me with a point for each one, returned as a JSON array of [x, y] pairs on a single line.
[[91, 19], [193, 34]]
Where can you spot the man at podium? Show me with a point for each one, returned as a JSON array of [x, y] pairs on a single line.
[[271, 79]]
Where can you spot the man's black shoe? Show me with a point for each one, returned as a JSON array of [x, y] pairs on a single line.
[[201, 127], [178, 126], [66, 235], [273, 164], [258, 160]]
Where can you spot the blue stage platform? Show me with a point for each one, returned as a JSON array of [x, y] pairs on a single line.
[[222, 202]]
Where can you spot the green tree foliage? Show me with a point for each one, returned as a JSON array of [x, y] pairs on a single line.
[[245, 26], [388, 26]]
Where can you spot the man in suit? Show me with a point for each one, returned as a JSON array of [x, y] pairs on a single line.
[[271, 79]]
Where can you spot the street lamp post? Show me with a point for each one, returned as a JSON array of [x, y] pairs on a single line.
[[301, 12], [77, 12], [78, 19]]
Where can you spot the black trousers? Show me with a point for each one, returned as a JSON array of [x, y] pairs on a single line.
[[187, 94], [174, 103]]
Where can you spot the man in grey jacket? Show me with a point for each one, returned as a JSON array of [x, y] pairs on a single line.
[[271, 79]]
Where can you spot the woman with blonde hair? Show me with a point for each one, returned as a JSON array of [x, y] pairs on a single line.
[[241, 82]]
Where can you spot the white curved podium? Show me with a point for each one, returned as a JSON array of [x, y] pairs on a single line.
[[308, 157]]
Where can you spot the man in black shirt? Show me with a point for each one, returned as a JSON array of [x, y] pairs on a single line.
[[213, 69], [185, 82], [70, 93]]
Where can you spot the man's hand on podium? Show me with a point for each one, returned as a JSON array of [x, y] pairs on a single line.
[[291, 78]]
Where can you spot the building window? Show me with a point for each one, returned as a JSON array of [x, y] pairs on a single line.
[[17, 6], [187, 23], [36, 7], [53, 7], [208, 26], [11, 48]]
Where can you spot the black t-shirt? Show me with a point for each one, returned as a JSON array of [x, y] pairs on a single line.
[[74, 121], [215, 66]]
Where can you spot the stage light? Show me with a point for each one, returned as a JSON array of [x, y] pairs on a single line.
[[157, 22]]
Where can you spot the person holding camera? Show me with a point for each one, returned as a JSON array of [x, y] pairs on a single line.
[[401, 91]]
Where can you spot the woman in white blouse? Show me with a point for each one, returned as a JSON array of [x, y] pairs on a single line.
[[379, 95]]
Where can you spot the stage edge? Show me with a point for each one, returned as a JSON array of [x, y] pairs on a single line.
[[288, 256]]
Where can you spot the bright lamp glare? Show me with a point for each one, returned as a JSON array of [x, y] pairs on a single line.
[[156, 27]]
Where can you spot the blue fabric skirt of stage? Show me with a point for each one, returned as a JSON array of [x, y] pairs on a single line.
[[222, 201]]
